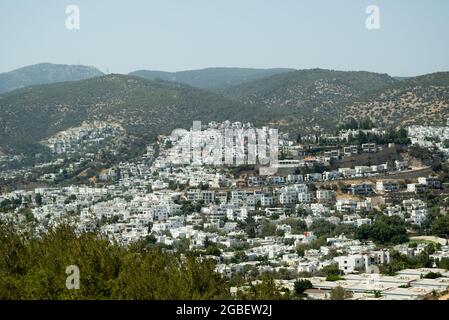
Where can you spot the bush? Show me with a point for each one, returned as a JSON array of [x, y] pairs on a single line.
[[302, 285], [433, 275], [331, 270], [338, 293], [333, 278]]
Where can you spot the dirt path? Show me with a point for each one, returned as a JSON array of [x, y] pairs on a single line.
[[444, 297], [441, 241]]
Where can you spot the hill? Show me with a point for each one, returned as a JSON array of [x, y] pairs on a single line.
[[142, 107], [45, 73], [306, 98], [296, 101], [211, 78], [422, 100]]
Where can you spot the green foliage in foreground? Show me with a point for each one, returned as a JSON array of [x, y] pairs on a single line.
[[34, 268]]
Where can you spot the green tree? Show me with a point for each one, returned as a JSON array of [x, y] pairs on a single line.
[[38, 199], [265, 290], [441, 225], [331, 270], [385, 230], [298, 225], [322, 228], [339, 293], [250, 227], [268, 229], [301, 285], [34, 268], [213, 250]]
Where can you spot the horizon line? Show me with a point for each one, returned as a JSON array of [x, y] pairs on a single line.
[[221, 67]]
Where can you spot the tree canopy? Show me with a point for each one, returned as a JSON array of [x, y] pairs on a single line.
[[35, 268], [385, 230]]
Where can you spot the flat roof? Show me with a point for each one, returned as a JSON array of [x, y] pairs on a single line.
[[439, 283], [398, 279], [422, 271], [407, 292]]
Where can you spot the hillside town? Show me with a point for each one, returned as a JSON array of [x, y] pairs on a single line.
[[338, 211]]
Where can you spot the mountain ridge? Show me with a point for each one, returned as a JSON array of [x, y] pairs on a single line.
[[45, 73], [307, 98], [211, 78]]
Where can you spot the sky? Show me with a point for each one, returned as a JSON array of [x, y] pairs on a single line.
[[173, 35]]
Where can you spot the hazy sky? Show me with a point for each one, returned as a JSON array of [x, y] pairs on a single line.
[[122, 36]]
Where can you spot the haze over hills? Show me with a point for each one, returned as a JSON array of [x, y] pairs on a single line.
[[45, 73], [211, 78]]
